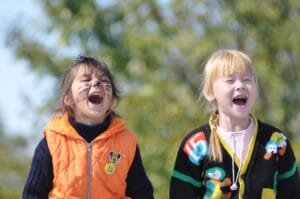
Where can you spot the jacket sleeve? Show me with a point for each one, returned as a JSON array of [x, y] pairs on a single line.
[[186, 180], [288, 180], [39, 181], [138, 184]]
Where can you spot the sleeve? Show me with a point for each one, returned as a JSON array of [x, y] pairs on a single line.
[[138, 184], [39, 181], [288, 180], [186, 180]]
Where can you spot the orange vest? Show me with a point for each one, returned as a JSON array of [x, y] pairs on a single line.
[[89, 170]]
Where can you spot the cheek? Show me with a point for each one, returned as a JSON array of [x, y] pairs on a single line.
[[254, 95], [107, 88], [109, 94], [220, 91], [79, 91], [253, 91], [110, 98], [81, 87]]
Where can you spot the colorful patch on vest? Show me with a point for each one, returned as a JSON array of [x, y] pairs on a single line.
[[114, 158], [196, 147], [276, 144], [216, 183]]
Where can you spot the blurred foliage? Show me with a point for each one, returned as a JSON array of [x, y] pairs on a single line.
[[14, 165], [157, 50], [296, 148]]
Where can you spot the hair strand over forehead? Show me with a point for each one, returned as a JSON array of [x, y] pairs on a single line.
[[90, 66], [223, 63]]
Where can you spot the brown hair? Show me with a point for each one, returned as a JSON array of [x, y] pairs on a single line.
[[91, 65]]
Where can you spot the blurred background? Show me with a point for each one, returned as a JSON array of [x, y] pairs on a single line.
[[157, 50]]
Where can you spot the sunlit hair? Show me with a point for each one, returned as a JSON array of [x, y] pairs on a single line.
[[220, 64], [90, 65], [223, 63]]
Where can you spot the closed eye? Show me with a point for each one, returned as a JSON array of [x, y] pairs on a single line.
[[105, 81], [247, 79], [229, 80]]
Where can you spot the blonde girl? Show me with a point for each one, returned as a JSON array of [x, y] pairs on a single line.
[[235, 155]]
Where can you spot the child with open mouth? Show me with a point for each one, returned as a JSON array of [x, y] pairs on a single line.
[[235, 155], [87, 151]]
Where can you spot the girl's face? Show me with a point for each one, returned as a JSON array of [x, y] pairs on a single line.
[[234, 95], [91, 96]]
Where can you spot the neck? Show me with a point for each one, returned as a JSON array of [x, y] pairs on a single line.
[[89, 121], [230, 124]]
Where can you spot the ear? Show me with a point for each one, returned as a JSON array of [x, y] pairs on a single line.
[[209, 96], [68, 100]]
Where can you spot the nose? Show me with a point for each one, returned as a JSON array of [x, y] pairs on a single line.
[[240, 85], [96, 83]]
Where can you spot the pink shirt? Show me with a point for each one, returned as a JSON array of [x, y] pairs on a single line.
[[238, 140]]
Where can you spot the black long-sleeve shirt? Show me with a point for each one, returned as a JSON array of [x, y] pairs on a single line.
[[39, 181]]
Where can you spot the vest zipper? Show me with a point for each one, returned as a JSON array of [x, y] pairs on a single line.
[[89, 171]]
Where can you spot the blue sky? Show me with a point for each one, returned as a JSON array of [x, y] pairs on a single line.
[[19, 85]]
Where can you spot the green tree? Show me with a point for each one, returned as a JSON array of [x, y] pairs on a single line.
[[157, 50]]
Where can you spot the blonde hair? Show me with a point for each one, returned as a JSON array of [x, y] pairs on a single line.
[[222, 63]]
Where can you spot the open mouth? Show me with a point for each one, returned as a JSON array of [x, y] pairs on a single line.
[[95, 99], [240, 100]]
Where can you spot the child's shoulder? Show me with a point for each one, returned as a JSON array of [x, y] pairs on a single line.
[[202, 131], [268, 127], [268, 130]]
